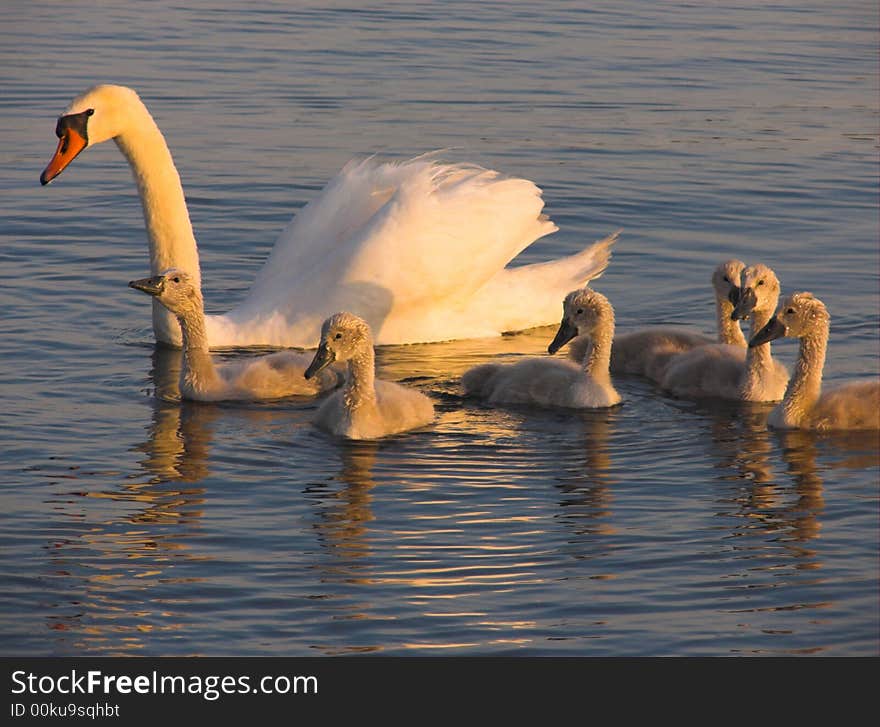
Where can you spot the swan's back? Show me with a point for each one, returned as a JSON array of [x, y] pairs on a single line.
[[646, 352], [396, 409], [770, 386], [714, 370], [275, 376], [541, 381], [449, 228], [849, 406], [402, 408]]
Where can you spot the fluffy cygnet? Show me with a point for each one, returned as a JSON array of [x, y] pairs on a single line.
[[853, 405], [647, 352], [553, 382], [730, 372], [366, 407], [272, 376]]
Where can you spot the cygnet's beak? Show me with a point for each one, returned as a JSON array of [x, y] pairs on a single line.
[[323, 358], [567, 331], [734, 294], [773, 330], [153, 286], [73, 137], [743, 307]]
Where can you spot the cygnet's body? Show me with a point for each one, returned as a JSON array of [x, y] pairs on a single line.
[[805, 406], [731, 372], [274, 376], [647, 352], [553, 382], [366, 407]]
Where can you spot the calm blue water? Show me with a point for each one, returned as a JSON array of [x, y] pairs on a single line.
[[132, 525]]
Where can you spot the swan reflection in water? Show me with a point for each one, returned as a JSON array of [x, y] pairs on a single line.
[[748, 454], [113, 561], [179, 436], [344, 512], [780, 491], [586, 486]]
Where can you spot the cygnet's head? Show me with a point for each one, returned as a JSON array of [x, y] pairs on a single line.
[[584, 311], [800, 314], [726, 280], [174, 289], [99, 114], [343, 336], [759, 291]]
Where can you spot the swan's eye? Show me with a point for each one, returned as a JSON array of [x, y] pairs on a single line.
[[176, 278], [338, 336], [789, 312], [579, 311], [726, 279], [760, 282]]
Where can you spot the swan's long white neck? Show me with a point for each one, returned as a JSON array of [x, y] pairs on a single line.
[[198, 372], [360, 384], [169, 231], [597, 360], [759, 361], [728, 330], [805, 385]]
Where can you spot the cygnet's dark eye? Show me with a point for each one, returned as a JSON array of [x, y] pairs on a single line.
[[726, 279], [176, 278], [338, 335], [760, 282], [790, 311], [579, 311]]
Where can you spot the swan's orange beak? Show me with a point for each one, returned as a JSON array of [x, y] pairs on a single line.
[[70, 145], [73, 137]]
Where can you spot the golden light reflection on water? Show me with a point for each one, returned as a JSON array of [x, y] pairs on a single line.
[[779, 511], [117, 563], [430, 561], [121, 560], [343, 522], [785, 506], [179, 437]]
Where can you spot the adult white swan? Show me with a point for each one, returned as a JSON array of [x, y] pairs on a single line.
[[418, 249]]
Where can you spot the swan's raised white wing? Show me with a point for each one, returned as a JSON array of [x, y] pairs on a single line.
[[383, 239]]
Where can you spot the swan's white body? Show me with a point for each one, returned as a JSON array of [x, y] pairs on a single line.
[[273, 376], [728, 371], [853, 405], [647, 352], [552, 382], [365, 408], [418, 249]]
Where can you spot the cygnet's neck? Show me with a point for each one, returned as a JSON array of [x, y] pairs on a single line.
[[597, 360], [197, 372], [360, 384], [805, 386], [169, 231], [759, 361], [728, 330]]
